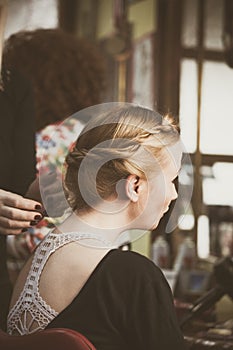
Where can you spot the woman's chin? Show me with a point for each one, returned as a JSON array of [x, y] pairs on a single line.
[[156, 222], [154, 225]]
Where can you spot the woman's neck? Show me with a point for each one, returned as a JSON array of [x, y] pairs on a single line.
[[107, 226]]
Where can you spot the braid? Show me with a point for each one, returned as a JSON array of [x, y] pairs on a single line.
[[125, 141]]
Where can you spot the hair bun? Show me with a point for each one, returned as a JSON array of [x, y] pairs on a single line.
[[75, 157]]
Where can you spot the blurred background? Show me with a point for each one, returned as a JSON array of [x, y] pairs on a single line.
[[175, 56]]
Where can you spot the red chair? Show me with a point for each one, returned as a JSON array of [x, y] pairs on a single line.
[[51, 339]]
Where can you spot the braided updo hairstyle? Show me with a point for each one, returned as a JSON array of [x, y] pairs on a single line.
[[111, 147]]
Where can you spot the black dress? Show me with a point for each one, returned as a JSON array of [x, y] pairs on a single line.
[[125, 304], [17, 156]]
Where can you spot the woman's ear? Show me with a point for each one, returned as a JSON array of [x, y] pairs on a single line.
[[132, 187]]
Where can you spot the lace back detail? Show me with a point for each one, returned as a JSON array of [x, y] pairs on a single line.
[[31, 313]]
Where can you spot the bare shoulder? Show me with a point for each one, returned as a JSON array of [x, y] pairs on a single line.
[[63, 275], [71, 266]]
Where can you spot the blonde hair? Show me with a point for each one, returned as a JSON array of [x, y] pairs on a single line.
[[111, 147]]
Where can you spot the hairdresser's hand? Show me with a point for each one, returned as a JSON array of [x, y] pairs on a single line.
[[17, 213]]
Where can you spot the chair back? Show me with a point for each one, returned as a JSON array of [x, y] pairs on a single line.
[[51, 339]]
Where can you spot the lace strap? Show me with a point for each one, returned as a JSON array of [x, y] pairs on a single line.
[[47, 247]]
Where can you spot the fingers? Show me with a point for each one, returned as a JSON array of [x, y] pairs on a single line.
[[18, 220], [17, 213], [17, 201], [10, 231]]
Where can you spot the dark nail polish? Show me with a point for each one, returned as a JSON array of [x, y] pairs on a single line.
[[37, 217], [24, 230], [33, 223], [44, 213], [38, 207]]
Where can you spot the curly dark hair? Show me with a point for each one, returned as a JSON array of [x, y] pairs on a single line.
[[67, 73]]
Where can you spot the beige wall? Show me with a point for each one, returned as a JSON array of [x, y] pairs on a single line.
[[105, 25], [142, 15], [142, 245]]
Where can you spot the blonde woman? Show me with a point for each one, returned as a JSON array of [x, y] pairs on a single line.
[[119, 176]]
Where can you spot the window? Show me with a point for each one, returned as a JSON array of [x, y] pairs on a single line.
[[206, 107], [31, 14]]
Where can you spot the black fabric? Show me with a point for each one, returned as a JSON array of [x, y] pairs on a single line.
[[125, 304], [5, 285], [17, 157], [17, 136]]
